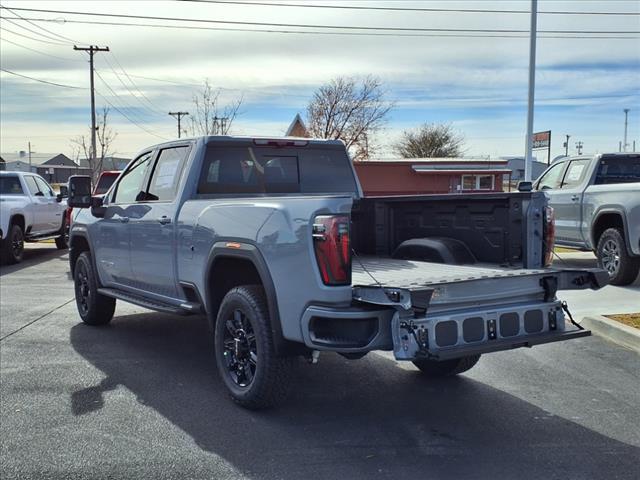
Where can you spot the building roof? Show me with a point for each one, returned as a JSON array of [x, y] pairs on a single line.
[[297, 128], [60, 160]]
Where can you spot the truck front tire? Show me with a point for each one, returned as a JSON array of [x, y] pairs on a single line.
[[13, 245], [245, 354], [613, 257], [94, 308], [446, 368]]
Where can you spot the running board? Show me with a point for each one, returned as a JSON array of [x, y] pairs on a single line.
[[510, 343], [185, 308]]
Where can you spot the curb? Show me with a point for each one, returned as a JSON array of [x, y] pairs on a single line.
[[616, 332]]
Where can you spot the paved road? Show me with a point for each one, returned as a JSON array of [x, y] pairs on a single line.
[[138, 399]]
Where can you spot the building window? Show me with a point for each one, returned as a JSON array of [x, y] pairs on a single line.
[[478, 182]]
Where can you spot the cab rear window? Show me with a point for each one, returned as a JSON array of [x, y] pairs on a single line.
[[619, 169], [10, 185], [267, 170]]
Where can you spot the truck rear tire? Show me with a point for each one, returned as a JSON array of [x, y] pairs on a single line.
[[94, 308], [613, 257], [12, 247], [446, 368], [245, 354]]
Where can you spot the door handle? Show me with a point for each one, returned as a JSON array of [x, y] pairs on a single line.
[[124, 219], [164, 220], [575, 197]]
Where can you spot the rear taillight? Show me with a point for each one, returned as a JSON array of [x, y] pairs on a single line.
[[333, 248], [549, 235]]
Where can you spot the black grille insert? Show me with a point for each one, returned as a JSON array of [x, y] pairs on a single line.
[[473, 329], [533, 321], [509, 324], [447, 333]]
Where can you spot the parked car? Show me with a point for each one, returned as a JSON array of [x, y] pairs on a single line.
[[596, 201], [29, 212], [273, 240]]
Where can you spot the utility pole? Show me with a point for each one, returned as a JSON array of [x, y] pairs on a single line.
[[92, 49], [579, 146], [178, 116], [624, 143], [532, 87], [566, 146], [219, 125]]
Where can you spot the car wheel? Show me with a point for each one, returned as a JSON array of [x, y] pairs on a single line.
[[613, 257], [446, 368], [62, 242], [94, 308], [245, 355], [13, 245]]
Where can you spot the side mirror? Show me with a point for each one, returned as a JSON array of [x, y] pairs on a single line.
[[79, 191], [525, 186], [59, 198]]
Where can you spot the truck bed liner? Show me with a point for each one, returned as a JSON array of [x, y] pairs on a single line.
[[413, 275]]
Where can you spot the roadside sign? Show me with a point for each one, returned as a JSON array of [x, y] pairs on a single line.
[[543, 140]]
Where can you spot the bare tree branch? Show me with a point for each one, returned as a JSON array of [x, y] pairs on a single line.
[[210, 117], [349, 110], [105, 136]]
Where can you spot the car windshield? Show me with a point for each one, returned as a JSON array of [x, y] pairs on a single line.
[[10, 185]]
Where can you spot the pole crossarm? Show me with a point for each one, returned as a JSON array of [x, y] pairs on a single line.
[[178, 116]]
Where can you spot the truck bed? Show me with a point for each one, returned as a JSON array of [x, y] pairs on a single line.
[[415, 275]]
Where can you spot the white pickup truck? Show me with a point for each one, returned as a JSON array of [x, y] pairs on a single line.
[[29, 212]]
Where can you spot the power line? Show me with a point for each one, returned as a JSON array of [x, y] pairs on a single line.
[[40, 27], [48, 40], [134, 84], [30, 38], [128, 118], [407, 9], [129, 89], [42, 81], [38, 51], [321, 26], [115, 95], [342, 33]]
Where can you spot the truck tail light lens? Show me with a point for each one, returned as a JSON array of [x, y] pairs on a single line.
[[332, 245], [549, 235]]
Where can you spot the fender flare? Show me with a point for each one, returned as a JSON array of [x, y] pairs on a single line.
[[247, 251], [625, 233]]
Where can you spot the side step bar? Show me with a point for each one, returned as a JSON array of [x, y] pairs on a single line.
[[185, 308], [510, 343]]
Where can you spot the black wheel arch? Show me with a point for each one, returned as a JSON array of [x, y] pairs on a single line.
[[249, 267], [610, 218], [79, 242]]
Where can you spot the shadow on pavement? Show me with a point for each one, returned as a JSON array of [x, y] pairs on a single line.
[[33, 256], [345, 419]]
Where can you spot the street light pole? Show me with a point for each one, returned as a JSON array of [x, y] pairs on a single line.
[[532, 86], [624, 143]]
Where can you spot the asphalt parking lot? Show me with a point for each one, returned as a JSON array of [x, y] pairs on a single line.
[[139, 399]]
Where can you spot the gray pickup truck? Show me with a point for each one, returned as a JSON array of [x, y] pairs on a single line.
[[273, 241], [596, 201]]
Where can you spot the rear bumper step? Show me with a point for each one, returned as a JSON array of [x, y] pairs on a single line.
[[510, 343]]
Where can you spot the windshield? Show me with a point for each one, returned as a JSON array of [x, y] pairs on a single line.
[[10, 185]]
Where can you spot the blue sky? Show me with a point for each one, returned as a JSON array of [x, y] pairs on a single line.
[[479, 85]]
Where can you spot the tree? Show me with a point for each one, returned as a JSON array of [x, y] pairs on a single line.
[[210, 116], [349, 110], [105, 137], [430, 140]]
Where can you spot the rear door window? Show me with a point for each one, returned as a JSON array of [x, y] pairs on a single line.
[[623, 169], [166, 174]]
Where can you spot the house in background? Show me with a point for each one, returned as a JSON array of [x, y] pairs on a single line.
[[3, 164], [516, 165], [59, 168], [413, 176], [297, 128], [109, 163]]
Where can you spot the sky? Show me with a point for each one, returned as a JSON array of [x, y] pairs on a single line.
[[478, 85]]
